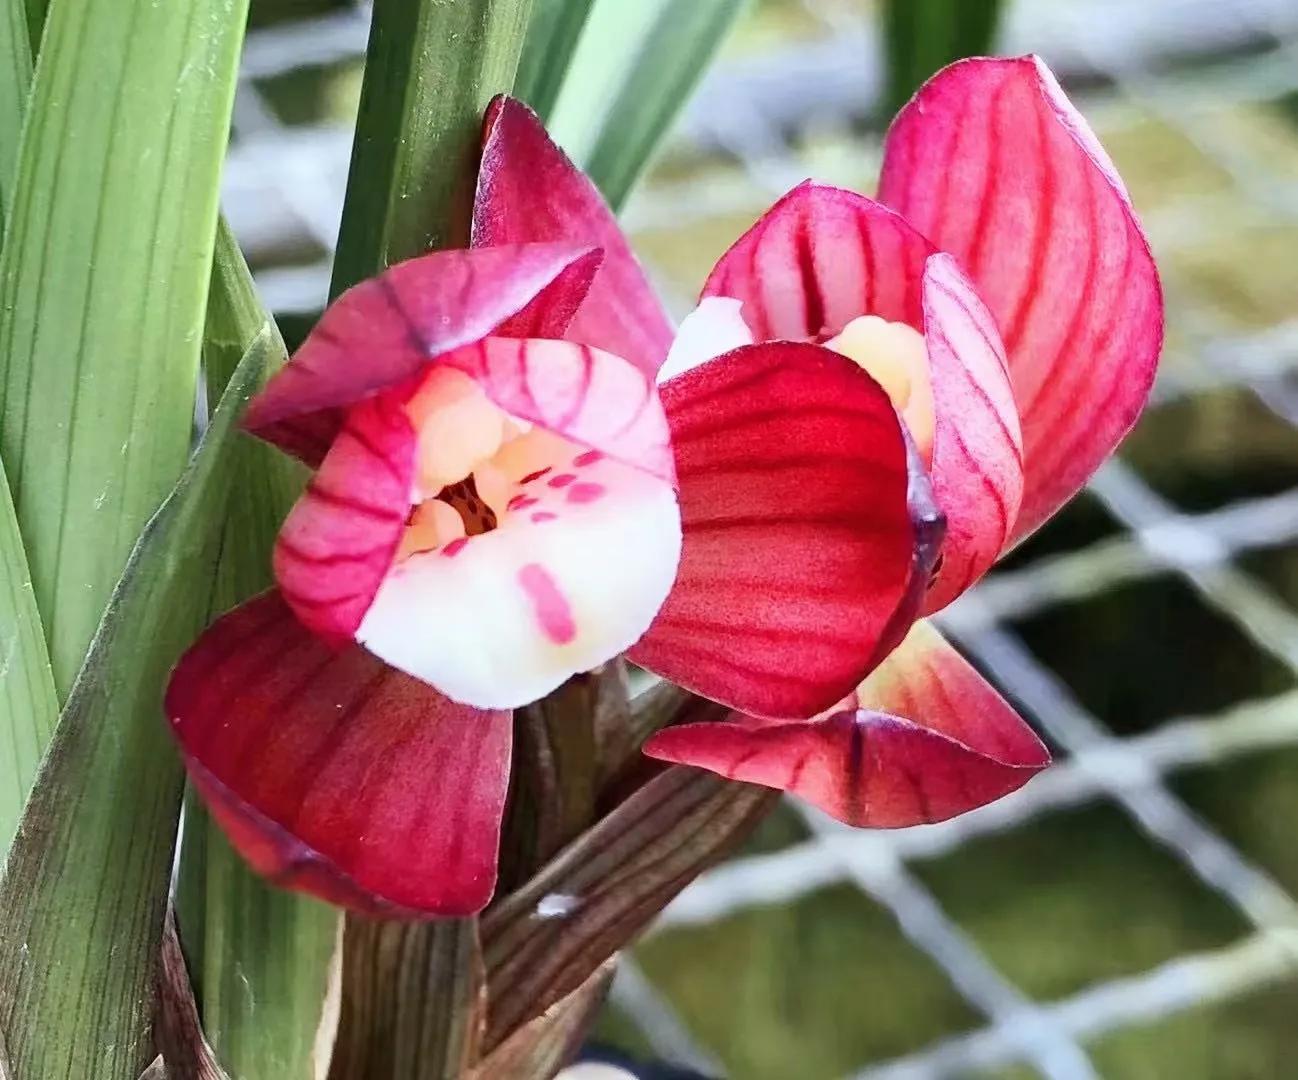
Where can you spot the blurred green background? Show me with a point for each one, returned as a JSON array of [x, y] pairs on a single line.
[[1129, 915]]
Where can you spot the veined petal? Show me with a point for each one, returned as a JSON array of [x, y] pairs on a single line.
[[528, 190], [947, 743], [335, 775], [994, 165], [819, 258], [798, 543], [384, 331], [977, 449], [576, 568]]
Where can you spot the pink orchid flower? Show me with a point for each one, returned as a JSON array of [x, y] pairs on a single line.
[[501, 500], [1002, 290]]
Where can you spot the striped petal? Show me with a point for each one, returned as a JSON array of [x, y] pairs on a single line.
[[819, 258], [337, 776], [385, 331], [528, 190], [923, 740], [977, 450], [799, 544], [993, 164], [582, 555]]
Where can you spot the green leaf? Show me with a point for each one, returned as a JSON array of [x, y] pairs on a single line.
[[29, 707], [413, 1001], [669, 66], [430, 70], [15, 82], [178, 1030], [262, 956], [652, 845], [923, 36], [103, 283], [552, 36], [85, 887]]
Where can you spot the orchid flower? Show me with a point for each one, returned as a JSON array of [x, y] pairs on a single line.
[[502, 499], [1003, 292]]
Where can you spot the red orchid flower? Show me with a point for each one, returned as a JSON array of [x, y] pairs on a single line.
[[1002, 290], [495, 508]]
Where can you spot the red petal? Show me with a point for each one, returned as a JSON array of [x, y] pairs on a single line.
[[977, 450], [994, 165], [529, 190], [798, 544], [336, 775], [817, 259], [337, 544], [962, 747], [383, 331], [587, 395]]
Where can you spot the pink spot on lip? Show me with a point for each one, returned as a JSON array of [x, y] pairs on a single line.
[[535, 475], [520, 502], [544, 515], [585, 493], [562, 480], [455, 547], [548, 603], [588, 458]]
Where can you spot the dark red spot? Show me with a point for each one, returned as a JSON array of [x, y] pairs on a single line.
[[548, 603], [535, 475], [588, 458], [585, 493], [455, 546], [544, 515], [521, 502], [562, 480]]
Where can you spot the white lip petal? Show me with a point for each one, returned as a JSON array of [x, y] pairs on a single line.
[[714, 327], [573, 575]]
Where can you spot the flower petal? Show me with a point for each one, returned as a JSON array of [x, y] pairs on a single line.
[[562, 585], [383, 331], [714, 327], [948, 744], [528, 190], [798, 542], [336, 775], [977, 450], [819, 258], [994, 165]]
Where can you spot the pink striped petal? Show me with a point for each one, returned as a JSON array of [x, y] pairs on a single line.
[[798, 542], [994, 165], [819, 258], [384, 331], [337, 776], [947, 744], [977, 450], [528, 190], [573, 573]]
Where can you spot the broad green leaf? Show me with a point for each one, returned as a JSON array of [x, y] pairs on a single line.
[[923, 36], [552, 36], [85, 888], [413, 1001], [652, 845], [260, 955], [614, 36], [673, 59], [28, 705], [103, 283], [430, 70], [15, 82]]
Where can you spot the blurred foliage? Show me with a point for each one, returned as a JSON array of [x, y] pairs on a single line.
[[923, 36]]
